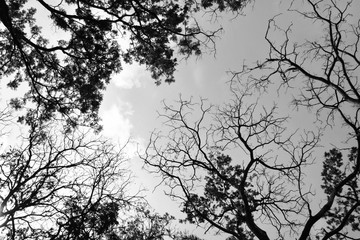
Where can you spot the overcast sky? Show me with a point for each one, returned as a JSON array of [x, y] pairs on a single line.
[[132, 99]]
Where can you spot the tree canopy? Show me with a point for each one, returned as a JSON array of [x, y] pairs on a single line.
[[239, 169], [51, 181], [59, 185], [68, 71], [236, 168], [66, 183]]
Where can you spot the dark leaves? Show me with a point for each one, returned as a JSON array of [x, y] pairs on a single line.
[[346, 212], [71, 76], [221, 200]]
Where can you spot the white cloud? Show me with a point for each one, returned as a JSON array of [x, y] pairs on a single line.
[[116, 122], [117, 126], [131, 76]]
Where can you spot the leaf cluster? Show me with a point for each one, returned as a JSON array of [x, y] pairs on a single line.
[[347, 209], [221, 200], [67, 75]]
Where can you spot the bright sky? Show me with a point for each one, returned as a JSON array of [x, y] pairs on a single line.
[[132, 99]]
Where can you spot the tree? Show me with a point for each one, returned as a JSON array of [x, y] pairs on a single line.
[[147, 225], [238, 169], [74, 186], [61, 186], [67, 75], [231, 196], [100, 220], [344, 217]]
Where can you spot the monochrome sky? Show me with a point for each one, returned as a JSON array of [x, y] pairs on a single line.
[[131, 101]]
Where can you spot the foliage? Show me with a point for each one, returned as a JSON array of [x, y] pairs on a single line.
[[229, 195], [88, 223], [68, 74], [56, 186], [238, 168], [220, 198], [60, 183], [347, 209], [145, 225]]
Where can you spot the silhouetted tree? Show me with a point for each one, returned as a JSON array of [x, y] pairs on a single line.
[[144, 224], [147, 225], [240, 170], [68, 71], [343, 218], [230, 195], [56, 185], [61, 186]]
